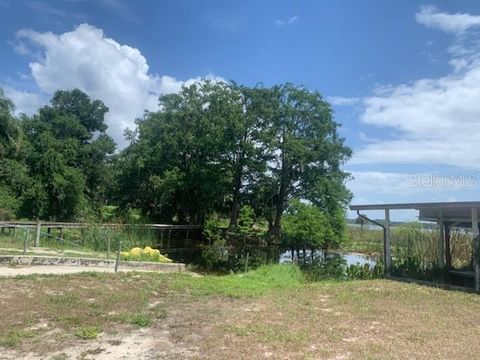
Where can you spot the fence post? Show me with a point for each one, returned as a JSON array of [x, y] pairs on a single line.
[[25, 242], [37, 234], [246, 262], [118, 255], [441, 241], [476, 248], [108, 248]]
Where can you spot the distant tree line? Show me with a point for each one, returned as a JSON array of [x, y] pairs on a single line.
[[211, 150]]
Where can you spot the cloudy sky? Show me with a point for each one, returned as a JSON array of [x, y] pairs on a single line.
[[403, 76]]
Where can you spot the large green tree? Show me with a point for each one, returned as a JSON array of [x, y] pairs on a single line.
[[215, 147], [307, 153], [177, 166], [247, 151], [10, 129], [13, 173], [68, 157]]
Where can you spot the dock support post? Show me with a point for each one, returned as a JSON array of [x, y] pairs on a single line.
[[441, 241], [37, 233], [387, 245], [476, 248], [448, 250]]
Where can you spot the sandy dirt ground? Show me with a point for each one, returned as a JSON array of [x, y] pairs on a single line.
[[40, 318], [55, 269], [140, 344]]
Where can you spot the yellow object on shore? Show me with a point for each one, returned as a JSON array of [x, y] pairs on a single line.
[[146, 254]]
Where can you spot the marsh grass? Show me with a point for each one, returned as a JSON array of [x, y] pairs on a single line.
[[414, 248], [364, 241], [461, 247], [88, 242], [96, 237]]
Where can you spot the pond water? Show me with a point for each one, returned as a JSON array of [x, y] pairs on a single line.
[[350, 258]]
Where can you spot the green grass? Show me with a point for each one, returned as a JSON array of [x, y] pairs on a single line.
[[87, 333], [13, 337], [257, 282], [139, 319]]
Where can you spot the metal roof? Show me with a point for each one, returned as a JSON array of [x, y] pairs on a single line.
[[418, 206], [459, 212]]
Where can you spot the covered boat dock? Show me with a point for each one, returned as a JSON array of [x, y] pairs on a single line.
[[446, 215]]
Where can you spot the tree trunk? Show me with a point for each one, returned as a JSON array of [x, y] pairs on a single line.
[[237, 184], [281, 202], [282, 195]]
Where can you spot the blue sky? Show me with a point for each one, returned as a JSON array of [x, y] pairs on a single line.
[[403, 76]]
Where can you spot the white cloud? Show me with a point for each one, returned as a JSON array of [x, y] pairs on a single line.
[[289, 21], [436, 121], [374, 187], [343, 101], [457, 23], [117, 74], [381, 183], [25, 102]]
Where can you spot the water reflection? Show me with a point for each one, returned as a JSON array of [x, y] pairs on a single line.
[[349, 258]]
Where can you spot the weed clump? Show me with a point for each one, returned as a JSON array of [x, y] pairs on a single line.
[[88, 333]]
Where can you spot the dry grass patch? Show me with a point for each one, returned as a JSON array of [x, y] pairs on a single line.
[[74, 306], [175, 316], [374, 319]]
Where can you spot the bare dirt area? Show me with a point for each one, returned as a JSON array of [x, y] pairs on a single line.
[[137, 344], [173, 316], [103, 316], [12, 271]]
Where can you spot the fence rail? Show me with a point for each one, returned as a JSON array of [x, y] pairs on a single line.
[[72, 225], [170, 238]]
